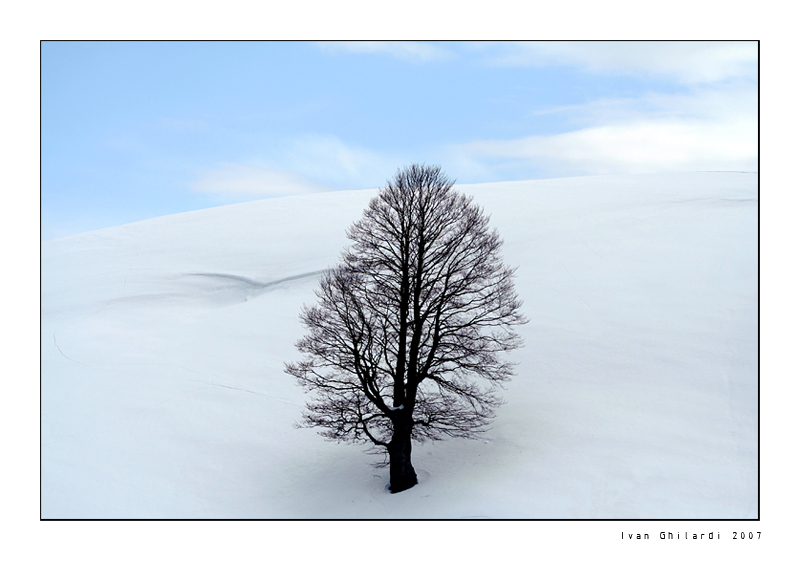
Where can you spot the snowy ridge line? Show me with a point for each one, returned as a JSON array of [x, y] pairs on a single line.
[[263, 395], [254, 283], [714, 200], [246, 287], [119, 298], [62, 352]]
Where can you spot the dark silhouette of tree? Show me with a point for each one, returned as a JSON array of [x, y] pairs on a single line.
[[404, 342]]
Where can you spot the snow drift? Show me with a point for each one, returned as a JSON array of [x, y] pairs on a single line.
[[163, 393]]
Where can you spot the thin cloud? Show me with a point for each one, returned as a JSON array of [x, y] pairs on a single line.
[[707, 103], [712, 130], [405, 50], [303, 164], [329, 160], [688, 62], [246, 181], [645, 147]]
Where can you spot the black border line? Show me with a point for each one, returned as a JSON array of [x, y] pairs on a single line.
[[466, 520]]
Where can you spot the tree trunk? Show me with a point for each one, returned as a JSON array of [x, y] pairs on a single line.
[[401, 473]]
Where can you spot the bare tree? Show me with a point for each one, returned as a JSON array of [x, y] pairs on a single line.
[[404, 342]]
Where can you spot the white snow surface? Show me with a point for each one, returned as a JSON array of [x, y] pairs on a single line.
[[636, 396]]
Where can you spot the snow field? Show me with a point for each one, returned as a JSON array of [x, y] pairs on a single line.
[[163, 342]]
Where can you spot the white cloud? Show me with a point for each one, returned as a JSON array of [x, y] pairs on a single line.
[[689, 62], [710, 130], [706, 103], [405, 50], [642, 147], [238, 180]]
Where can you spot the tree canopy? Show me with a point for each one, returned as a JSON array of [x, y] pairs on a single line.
[[407, 337]]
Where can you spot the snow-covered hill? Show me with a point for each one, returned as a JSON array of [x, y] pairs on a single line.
[[163, 342]]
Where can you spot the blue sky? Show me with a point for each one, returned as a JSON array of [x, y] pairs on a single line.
[[134, 130]]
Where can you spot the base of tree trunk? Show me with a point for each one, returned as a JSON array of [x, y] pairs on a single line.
[[403, 483], [401, 473]]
